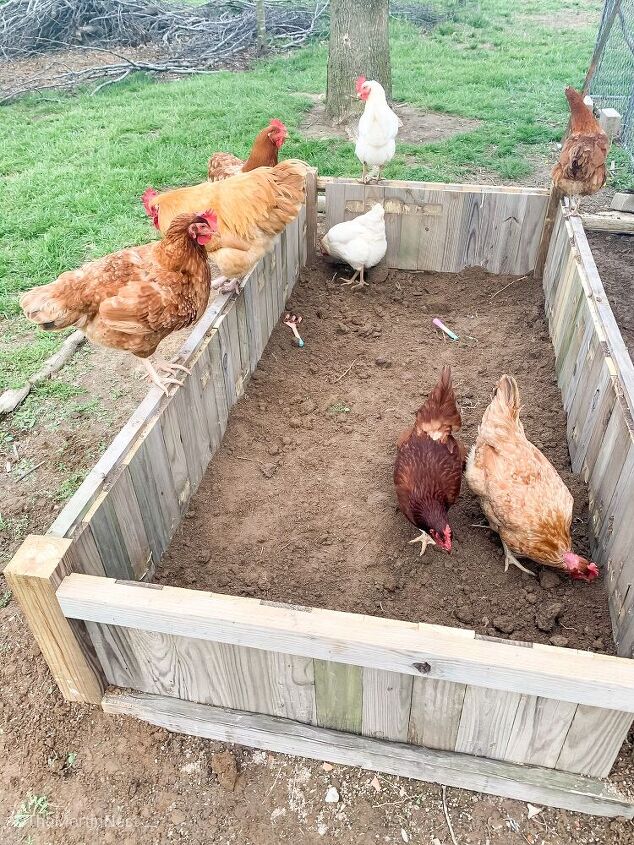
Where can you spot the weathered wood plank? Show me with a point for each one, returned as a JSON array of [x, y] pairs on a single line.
[[435, 714], [526, 783], [211, 673], [486, 722], [170, 429], [83, 555], [109, 540], [433, 651], [308, 220], [594, 741], [33, 575], [539, 731], [329, 182], [387, 699], [338, 696], [124, 501]]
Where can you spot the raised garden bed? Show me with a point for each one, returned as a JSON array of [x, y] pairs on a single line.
[[526, 720]]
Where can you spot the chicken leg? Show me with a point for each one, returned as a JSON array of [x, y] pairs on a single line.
[[424, 540], [364, 174], [155, 377], [509, 558], [360, 284]]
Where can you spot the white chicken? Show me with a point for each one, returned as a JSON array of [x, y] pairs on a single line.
[[360, 242], [378, 128]]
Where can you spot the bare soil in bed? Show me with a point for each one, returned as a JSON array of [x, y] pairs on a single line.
[[298, 505], [614, 257]]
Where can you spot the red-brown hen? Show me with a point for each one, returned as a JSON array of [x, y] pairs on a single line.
[[428, 468]]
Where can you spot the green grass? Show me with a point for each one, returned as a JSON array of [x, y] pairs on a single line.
[[73, 167]]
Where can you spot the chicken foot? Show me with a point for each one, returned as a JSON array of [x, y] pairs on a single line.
[[155, 377], [509, 558], [225, 285], [424, 540], [360, 284]]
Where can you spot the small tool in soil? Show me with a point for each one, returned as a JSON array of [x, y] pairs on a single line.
[[439, 324], [292, 321]]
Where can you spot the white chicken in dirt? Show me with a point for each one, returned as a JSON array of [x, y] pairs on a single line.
[[378, 128], [360, 243]]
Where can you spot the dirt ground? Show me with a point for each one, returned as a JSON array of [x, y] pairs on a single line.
[[72, 774], [419, 127], [298, 505], [614, 257]]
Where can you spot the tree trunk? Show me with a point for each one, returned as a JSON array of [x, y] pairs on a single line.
[[359, 46], [261, 25]]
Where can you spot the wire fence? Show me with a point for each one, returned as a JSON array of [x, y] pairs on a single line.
[[612, 70]]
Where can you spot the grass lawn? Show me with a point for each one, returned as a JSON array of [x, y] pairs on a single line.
[[73, 167]]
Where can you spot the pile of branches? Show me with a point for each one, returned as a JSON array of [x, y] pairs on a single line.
[[190, 39]]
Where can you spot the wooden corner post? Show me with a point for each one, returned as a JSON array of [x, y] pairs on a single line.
[[311, 215], [547, 231], [37, 569]]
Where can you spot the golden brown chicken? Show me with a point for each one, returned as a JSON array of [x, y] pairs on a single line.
[[134, 298], [581, 169], [520, 492], [252, 208], [428, 468], [264, 152]]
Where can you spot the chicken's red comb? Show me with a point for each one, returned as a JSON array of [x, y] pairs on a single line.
[[277, 124], [150, 209], [210, 218], [359, 83]]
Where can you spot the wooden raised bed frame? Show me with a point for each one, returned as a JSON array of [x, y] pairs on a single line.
[[523, 720]]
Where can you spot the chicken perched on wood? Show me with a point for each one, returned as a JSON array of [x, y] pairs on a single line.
[[264, 153], [520, 492], [428, 468], [134, 298], [360, 242], [581, 170], [378, 128], [251, 209]]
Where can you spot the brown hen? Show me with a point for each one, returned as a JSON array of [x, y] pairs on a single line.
[[252, 208], [428, 468], [520, 492], [134, 298], [264, 152], [581, 169]]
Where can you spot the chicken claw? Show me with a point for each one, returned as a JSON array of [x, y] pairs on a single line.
[[170, 366], [360, 284], [509, 558], [425, 540], [155, 377]]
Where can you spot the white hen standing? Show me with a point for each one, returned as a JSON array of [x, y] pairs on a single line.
[[360, 242], [378, 128]]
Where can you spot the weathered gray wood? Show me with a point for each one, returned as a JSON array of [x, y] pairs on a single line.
[[539, 731], [218, 380], [552, 210], [486, 722], [421, 650], [387, 699], [293, 253], [435, 714], [308, 221], [593, 741], [338, 696], [123, 499], [170, 428], [153, 484], [109, 539], [83, 555], [253, 320], [211, 673], [526, 783]]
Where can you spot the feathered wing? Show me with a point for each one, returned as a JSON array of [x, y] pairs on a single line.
[[223, 166], [261, 202], [359, 242], [520, 491]]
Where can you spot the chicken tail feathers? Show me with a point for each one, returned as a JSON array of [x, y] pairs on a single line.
[[439, 415], [42, 306]]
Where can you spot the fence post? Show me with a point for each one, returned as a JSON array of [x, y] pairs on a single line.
[[37, 569]]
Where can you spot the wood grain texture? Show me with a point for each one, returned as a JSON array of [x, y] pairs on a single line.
[[403, 647], [171, 431], [526, 783], [338, 696], [594, 741], [33, 575], [435, 714], [308, 220], [486, 722], [211, 673], [387, 699], [109, 539], [539, 731]]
